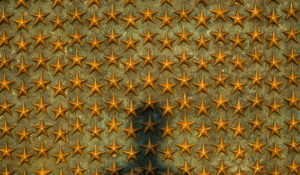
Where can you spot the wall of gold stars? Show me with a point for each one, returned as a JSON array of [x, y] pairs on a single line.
[[149, 87]]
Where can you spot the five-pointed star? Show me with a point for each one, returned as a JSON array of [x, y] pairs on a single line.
[[149, 148], [114, 148], [40, 62], [220, 57], [185, 147], [40, 39], [238, 19], [256, 79], [95, 87], [4, 39], [202, 85], [130, 20], [221, 147], [186, 169], [168, 153], [24, 157], [148, 59], [6, 151], [221, 124], [95, 154], [291, 34], [131, 131], [39, 16], [220, 80], [185, 125], [4, 17], [61, 156], [112, 58], [238, 130], [77, 104], [167, 130], [293, 101], [6, 107], [42, 151], [256, 56], [201, 20], [275, 151], [58, 45], [112, 15], [255, 12], [238, 108], [273, 41], [274, 130], [113, 125], [168, 109], [77, 126], [41, 106], [130, 43], [203, 152], [131, 153], [94, 21], [6, 129], [76, 37], [184, 102], [291, 11], [237, 41], [219, 13], [184, 14], [148, 14], [292, 56], [76, 15], [95, 131], [273, 18], [257, 146], [203, 131], [293, 123], [22, 44], [239, 152], [58, 22], [221, 102], [238, 85], [60, 134], [202, 42], [184, 80], [24, 135], [184, 36], [166, 20], [148, 37], [78, 148], [94, 65], [22, 23], [113, 104]]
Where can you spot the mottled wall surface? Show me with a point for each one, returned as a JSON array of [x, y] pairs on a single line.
[[222, 61]]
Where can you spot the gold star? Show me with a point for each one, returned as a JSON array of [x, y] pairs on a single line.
[[5, 84], [204, 172], [58, 45], [149, 81], [41, 107], [203, 1], [149, 125], [39, 16], [113, 81], [76, 15], [255, 12], [5, 107], [130, 20], [113, 104], [166, 1], [168, 153], [203, 131], [275, 152], [58, 22], [149, 169], [40, 62], [274, 129], [273, 41], [113, 125], [274, 107], [95, 154], [257, 168], [24, 157], [4, 61], [6, 151], [274, 62], [91, 2], [168, 109], [239, 152], [166, 20], [238, 130], [60, 111], [237, 85], [219, 13], [222, 169], [77, 148], [221, 124], [23, 67], [95, 44], [77, 126], [185, 125], [95, 131], [292, 123], [41, 83], [220, 36], [220, 80], [220, 57], [183, 36], [201, 20], [256, 56], [237, 19], [95, 87], [148, 36], [184, 81], [76, 37], [293, 145], [202, 42], [77, 104], [148, 59], [221, 102], [148, 15], [237, 63], [167, 87], [184, 102], [58, 67], [59, 89], [166, 42], [291, 34], [131, 131], [94, 21], [273, 18], [293, 101], [238, 108], [150, 147], [131, 153], [292, 78], [57, 2], [166, 64], [24, 135], [78, 170], [112, 15], [255, 36], [292, 56], [203, 152], [130, 87], [256, 101], [21, 22], [184, 14], [4, 17], [40, 39], [6, 129], [60, 134], [184, 58], [22, 89], [114, 148], [202, 85], [112, 58], [77, 82], [42, 151], [24, 112], [256, 79], [94, 65], [130, 43], [60, 156], [42, 128], [167, 131], [293, 168], [4, 39], [237, 41], [114, 169], [22, 44], [185, 147], [276, 171], [186, 169], [257, 146], [274, 84], [291, 11]]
